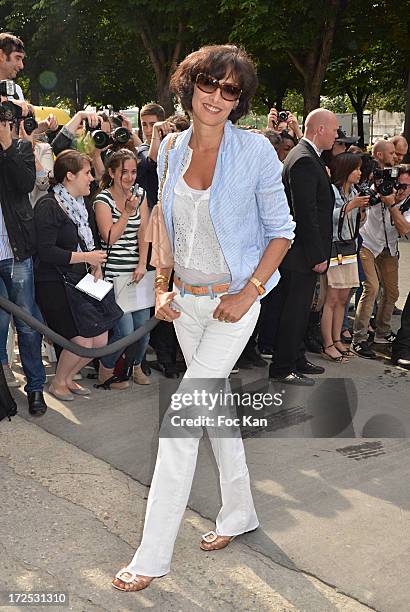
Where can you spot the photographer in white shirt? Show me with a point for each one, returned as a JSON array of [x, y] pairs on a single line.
[[384, 224]]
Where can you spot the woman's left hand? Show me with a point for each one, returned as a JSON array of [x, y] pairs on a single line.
[[139, 273], [232, 307]]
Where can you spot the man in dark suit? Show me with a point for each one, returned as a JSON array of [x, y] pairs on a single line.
[[311, 201]]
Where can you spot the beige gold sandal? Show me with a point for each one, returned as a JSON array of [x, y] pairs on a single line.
[[130, 581], [212, 541]]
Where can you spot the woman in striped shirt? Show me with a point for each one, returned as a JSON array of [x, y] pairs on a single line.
[[121, 220]]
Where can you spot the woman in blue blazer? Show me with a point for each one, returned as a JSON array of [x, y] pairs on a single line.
[[229, 227]]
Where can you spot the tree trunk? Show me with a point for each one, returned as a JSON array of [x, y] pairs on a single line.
[[407, 118], [312, 65], [311, 96], [164, 96], [359, 102], [280, 94], [360, 126], [164, 63]]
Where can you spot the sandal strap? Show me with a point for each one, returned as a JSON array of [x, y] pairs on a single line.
[[124, 570], [328, 346], [210, 537]]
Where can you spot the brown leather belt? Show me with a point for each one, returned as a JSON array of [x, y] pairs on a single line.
[[201, 290]]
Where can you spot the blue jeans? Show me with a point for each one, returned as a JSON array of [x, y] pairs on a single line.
[[17, 285], [129, 322]]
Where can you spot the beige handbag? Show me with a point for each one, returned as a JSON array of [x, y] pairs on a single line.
[[156, 233]]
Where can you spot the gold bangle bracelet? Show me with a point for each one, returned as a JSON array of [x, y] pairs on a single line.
[[161, 278]]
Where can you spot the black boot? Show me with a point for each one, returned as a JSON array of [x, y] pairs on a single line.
[[168, 369], [36, 403]]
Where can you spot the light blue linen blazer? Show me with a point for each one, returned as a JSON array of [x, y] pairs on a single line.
[[248, 205]]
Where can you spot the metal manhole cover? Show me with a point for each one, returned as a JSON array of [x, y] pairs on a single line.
[[362, 451]]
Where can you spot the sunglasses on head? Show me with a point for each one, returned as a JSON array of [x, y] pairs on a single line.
[[207, 84]]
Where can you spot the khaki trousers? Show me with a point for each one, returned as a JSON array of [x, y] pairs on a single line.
[[381, 270]]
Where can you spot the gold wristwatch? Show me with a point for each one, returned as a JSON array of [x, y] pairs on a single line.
[[255, 281]]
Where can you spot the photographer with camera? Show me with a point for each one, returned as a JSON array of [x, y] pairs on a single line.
[[12, 56], [283, 120], [150, 115], [400, 214], [378, 254], [65, 139], [17, 245]]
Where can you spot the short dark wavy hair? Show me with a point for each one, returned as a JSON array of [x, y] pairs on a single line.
[[216, 60]]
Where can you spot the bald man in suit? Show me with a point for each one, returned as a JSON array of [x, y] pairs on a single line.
[[311, 200]]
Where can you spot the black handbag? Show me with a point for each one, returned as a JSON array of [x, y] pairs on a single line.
[[345, 248], [92, 317], [8, 406]]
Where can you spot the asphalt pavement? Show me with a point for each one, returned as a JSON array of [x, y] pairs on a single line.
[[333, 500]]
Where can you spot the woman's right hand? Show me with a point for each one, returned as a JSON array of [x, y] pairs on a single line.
[[272, 119], [95, 258], [131, 205], [359, 201], [163, 310]]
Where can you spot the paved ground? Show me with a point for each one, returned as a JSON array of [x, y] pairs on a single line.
[[334, 511]]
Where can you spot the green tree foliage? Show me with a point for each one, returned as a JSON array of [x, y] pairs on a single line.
[[370, 59], [69, 42], [301, 30], [122, 52]]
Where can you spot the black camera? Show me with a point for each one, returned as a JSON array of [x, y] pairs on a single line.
[[101, 139], [8, 110], [120, 136], [386, 180], [283, 116], [364, 189], [405, 206], [116, 120], [11, 112], [29, 123], [7, 88]]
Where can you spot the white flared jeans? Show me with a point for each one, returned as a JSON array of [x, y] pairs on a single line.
[[211, 349]]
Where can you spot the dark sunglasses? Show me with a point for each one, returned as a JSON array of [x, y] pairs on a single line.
[[208, 84]]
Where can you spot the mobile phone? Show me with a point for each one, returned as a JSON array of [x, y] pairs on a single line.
[[134, 189]]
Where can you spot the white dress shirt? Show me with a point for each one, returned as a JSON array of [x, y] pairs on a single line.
[[314, 147], [378, 232]]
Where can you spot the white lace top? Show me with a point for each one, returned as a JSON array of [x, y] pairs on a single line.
[[198, 256]]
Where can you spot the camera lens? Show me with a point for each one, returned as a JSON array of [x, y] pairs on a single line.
[[9, 111], [101, 139], [121, 135], [283, 115], [30, 124]]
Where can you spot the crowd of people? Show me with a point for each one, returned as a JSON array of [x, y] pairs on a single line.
[[265, 237], [73, 202], [111, 192]]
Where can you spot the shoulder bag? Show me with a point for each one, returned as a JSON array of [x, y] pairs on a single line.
[[345, 251], [161, 256], [91, 316]]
